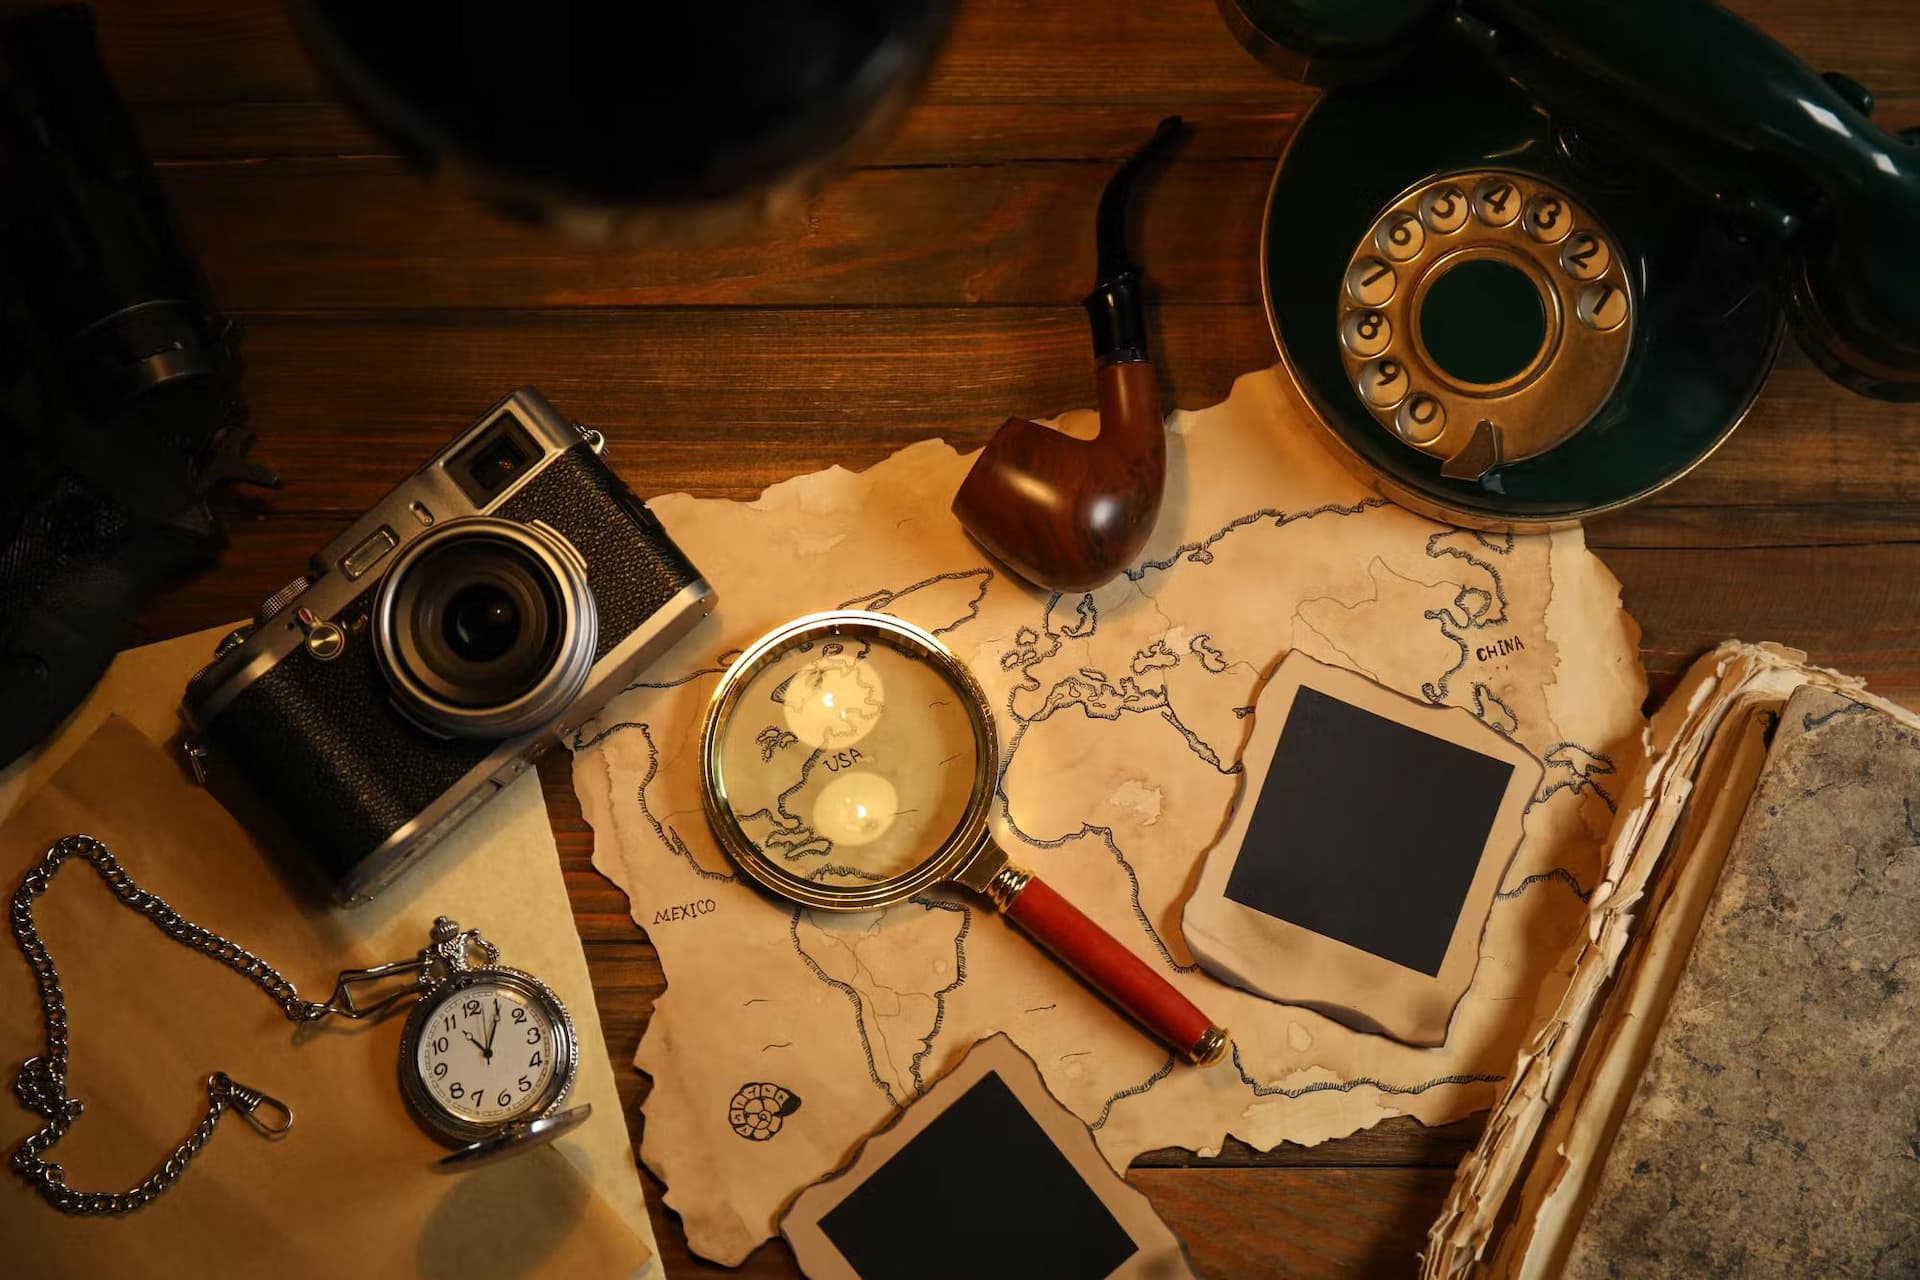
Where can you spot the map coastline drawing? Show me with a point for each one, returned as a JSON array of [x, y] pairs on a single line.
[[1121, 716]]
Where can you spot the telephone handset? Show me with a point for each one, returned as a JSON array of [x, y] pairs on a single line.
[[1530, 260]]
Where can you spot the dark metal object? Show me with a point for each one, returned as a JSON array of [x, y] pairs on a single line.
[[596, 119], [320, 708], [120, 408]]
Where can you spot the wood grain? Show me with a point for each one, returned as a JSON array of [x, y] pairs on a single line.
[[932, 291], [1348, 1223], [348, 405]]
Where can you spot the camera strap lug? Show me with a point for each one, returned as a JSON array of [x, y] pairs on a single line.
[[196, 753], [595, 441]]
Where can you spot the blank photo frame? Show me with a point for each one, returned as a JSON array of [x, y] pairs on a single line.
[[1371, 834], [985, 1175]]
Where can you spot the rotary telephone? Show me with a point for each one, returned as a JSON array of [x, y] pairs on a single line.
[[1531, 260]]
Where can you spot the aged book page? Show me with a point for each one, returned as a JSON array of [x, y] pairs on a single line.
[[1122, 715]]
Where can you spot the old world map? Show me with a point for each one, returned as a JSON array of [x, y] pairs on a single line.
[[786, 1036]]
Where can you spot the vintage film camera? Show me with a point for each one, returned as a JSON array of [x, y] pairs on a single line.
[[474, 617]]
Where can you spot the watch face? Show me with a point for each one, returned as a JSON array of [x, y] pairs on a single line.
[[491, 1048]]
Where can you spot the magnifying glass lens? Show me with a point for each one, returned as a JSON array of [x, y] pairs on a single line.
[[848, 761]]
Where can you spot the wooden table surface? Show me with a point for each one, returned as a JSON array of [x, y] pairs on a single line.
[[931, 291]]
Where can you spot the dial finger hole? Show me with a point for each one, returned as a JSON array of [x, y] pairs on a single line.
[[1421, 419], [1365, 334], [1370, 282], [1444, 210], [1382, 383], [1585, 256], [1496, 202], [1547, 218], [1602, 306], [1401, 237]]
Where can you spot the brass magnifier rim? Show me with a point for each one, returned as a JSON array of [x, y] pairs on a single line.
[[968, 836]]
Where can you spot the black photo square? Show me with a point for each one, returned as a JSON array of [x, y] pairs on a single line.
[[1368, 831], [981, 1191]]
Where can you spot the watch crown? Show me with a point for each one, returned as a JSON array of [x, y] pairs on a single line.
[[445, 929]]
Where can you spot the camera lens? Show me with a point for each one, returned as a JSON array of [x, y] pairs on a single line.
[[482, 622], [486, 627], [478, 620]]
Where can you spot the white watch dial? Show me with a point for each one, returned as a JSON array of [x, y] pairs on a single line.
[[487, 1052]]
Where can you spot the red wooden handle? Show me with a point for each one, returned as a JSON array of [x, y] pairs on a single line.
[[1121, 976]]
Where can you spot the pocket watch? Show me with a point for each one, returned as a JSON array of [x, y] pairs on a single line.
[[488, 1053]]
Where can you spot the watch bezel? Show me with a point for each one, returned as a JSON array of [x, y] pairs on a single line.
[[432, 1115]]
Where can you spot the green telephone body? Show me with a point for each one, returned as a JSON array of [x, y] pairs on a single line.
[[1531, 260]]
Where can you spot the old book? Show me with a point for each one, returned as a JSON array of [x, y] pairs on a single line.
[[1773, 1129], [1727, 1086]]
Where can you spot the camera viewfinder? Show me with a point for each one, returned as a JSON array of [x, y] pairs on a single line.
[[494, 461]]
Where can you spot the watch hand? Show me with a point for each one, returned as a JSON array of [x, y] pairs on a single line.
[[485, 1052], [493, 1028]]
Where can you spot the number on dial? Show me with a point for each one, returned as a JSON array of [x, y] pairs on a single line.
[[1496, 202], [1546, 218], [1602, 306], [1585, 256], [1366, 333], [1383, 382], [1444, 210], [486, 1053], [1370, 282], [1401, 237]]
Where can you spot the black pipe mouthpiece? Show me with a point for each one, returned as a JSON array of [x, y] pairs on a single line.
[[1116, 308]]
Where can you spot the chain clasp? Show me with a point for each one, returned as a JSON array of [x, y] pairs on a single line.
[[268, 1114]]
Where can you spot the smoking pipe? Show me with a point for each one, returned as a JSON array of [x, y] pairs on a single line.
[[1069, 514]]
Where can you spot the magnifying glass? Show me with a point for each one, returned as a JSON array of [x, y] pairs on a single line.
[[848, 762]]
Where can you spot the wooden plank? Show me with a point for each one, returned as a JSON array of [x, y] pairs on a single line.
[[1850, 607], [308, 233], [1667, 523], [252, 130], [1299, 1223], [205, 51], [718, 402], [1008, 50], [930, 133], [724, 402], [1401, 1142], [304, 234]]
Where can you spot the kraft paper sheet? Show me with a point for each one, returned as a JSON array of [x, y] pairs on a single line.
[[349, 1189]]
